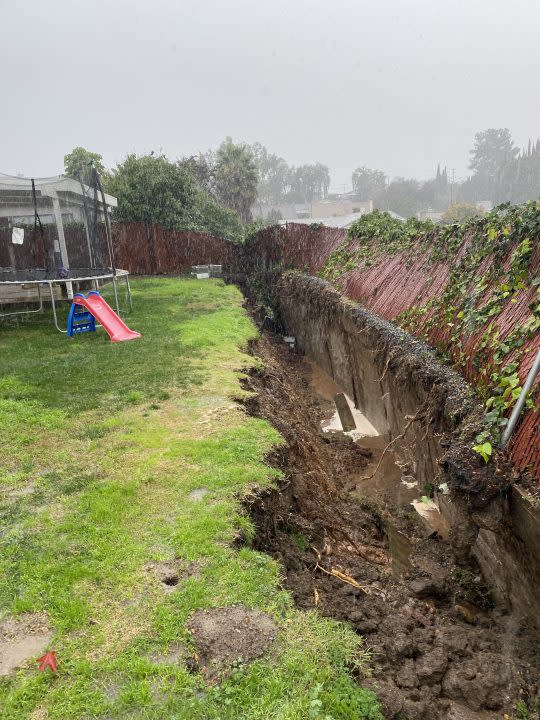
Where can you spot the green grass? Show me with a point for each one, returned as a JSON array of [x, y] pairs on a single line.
[[102, 444]]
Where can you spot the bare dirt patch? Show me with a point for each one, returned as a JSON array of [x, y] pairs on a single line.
[[440, 649], [171, 573], [223, 636], [22, 639]]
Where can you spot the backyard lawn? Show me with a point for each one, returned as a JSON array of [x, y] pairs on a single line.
[[120, 463]]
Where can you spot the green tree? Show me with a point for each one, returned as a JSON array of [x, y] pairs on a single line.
[[309, 182], [79, 162], [274, 217], [216, 220], [493, 149], [153, 189], [460, 213], [236, 178], [150, 188], [368, 184], [274, 175], [202, 168], [402, 196]]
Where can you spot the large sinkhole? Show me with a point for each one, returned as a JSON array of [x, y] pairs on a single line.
[[358, 540]]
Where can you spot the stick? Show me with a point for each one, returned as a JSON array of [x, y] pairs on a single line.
[[398, 437]]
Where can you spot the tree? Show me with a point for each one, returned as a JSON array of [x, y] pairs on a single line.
[[309, 182], [153, 189], [217, 220], [274, 217], [519, 180], [274, 175], [493, 149], [368, 184], [150, 188], [402, 196], [79, 162], [202, 168], [236, 178], [460, 213]]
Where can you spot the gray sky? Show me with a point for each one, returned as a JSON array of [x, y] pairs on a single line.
[[393, 84]]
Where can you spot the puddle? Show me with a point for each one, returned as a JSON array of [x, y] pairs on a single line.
[[327, 389], [388, 482], [22, 639]]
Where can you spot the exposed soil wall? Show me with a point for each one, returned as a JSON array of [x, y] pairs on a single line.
[[431, 416], [439, 649], [393, 284]]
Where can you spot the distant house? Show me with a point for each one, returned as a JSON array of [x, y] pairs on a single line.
[[340, 207], [343, 221], [430, 214], [336, 206]]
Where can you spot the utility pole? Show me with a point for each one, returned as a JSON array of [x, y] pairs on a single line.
[[452, 186]]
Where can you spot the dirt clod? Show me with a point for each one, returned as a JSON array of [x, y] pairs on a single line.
[[225, 635]]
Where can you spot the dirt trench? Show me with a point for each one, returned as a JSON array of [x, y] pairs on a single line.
[[440, 649]]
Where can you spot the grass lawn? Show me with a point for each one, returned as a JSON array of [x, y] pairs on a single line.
[[102, 445]]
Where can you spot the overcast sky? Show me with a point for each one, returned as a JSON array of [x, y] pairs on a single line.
[[397, 85]]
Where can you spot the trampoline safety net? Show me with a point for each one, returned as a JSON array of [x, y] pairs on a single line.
[[55, 227]]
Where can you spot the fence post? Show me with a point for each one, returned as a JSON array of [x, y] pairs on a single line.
[[152, 247], [516, 412]]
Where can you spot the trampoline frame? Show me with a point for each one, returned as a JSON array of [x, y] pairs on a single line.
[[113, 275]]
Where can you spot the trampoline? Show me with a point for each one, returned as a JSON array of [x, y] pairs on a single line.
[[9, 276], [55, 239]]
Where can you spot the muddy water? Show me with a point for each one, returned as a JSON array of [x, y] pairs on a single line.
[[381, 479]]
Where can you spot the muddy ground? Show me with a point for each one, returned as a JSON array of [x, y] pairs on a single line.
[[439, 647]]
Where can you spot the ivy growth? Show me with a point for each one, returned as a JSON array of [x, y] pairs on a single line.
[[493, 267]]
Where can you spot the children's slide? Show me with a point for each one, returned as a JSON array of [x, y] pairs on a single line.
[[105, 315]]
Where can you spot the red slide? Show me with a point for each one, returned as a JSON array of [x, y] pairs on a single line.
[[107, 318]]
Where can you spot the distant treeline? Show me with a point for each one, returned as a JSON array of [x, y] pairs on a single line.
[[215, 192]]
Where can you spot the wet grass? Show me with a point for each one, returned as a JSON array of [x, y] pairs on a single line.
[[101, 446]]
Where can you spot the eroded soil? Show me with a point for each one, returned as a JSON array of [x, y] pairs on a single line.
[[440, 650]]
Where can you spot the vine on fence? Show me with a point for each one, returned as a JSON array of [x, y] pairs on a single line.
[[495, 266]]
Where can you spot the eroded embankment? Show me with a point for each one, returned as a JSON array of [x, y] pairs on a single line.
[[432, 417], [439, 649]]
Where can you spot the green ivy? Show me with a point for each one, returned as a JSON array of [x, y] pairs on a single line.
[[495, 253]]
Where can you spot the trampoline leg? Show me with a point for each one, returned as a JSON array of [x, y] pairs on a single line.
[[130, 300], [116, 296], [53, 305]]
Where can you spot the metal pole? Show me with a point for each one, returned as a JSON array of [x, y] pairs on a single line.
[[130, 301], [87, 226], [53, 306], [107, 221], [116, 295], [516, 412]]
